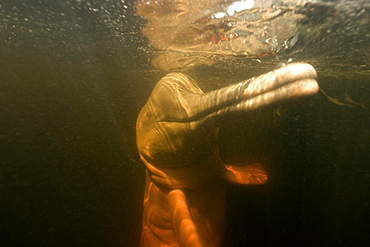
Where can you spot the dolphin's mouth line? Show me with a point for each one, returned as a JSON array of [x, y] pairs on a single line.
[[238, 98], [208, 112], [243, 103], [287, 83]]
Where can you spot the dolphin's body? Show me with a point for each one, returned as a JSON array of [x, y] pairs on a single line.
[[177, 141]]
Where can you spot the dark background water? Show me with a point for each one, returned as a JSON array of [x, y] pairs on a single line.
[[73, 77]]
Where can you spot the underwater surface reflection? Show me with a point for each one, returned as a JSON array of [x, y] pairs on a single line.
[[75, 74]]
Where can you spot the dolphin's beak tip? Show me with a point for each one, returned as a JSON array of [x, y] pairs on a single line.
[[309, 87]]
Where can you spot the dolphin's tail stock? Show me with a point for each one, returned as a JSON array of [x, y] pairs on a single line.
[[183, 224], [183, 217]]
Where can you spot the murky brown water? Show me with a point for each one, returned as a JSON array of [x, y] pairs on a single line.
[[75, 74]]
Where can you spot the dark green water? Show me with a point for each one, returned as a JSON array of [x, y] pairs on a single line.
[[73, 78]]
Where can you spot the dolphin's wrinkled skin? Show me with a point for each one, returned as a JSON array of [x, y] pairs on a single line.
[[176, 135]]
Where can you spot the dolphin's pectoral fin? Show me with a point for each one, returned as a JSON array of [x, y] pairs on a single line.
[[250, 174]]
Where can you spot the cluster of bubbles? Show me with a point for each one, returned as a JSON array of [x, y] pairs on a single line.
[[58, 19]]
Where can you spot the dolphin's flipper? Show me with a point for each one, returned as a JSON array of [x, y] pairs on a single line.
[[250, 174]]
